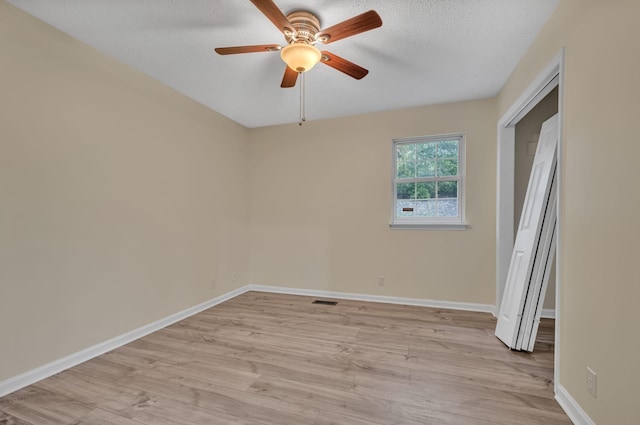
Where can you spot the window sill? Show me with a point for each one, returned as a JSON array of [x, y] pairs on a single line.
[[429, 226]]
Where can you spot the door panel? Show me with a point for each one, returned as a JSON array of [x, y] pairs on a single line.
[[540, 275], [528, 237]]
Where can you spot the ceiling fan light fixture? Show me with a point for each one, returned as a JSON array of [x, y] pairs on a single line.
[[300, 57]]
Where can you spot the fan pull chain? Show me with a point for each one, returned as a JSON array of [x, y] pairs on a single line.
[[302, 114]]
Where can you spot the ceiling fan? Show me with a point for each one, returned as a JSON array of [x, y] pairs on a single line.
[[302, 32]]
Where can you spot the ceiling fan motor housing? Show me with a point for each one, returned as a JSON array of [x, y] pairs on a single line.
[[306, 25]]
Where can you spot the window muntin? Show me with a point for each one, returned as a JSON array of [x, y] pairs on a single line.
[[428, 180]]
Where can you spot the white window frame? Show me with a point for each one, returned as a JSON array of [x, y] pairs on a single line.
[[435, 223]]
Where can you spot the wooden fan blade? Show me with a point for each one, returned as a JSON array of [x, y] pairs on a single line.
[[343, 65], [275, 15], [289, 79], [356, 25], [247, 49]]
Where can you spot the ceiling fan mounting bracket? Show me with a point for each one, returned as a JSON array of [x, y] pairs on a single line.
[[306, 25]]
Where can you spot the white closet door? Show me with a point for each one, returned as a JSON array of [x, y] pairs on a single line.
[[540, 275], [533, 329], [527, 239]]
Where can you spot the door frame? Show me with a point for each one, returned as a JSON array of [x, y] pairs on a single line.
[[552, 76]]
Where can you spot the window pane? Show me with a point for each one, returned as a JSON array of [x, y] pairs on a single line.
[[447, 190], [428, 181], [448, 167], [426, 169], [447, 208], [406, 152], [426, 208], [448, 149], [406, 191], [405, 208], [426, 151], [426, 190], [406, 169]]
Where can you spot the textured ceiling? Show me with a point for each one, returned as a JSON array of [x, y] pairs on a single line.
[[426, 52]]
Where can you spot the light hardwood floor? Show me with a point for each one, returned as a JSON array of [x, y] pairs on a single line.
[[275, 359]]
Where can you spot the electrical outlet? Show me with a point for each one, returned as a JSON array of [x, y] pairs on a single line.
[[234, 277], [213, 284], [591, 382], [380, 280]]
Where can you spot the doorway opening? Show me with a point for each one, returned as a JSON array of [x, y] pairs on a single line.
[[536, 101], [527, 131]]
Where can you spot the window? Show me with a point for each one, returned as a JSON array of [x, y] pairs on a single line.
[[428, 182]]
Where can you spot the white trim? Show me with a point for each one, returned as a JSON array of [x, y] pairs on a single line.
[[537, 86], [484, 308], [540, 91], [571, 407], [429, 226], [34, 375], [560, 57], [548, 313]]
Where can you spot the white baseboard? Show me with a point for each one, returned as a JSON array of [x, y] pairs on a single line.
[[32, 376], [484, 308], [571, 407], [568, 403], [548, 313]]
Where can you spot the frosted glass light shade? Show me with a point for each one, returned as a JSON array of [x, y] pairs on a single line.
[[300, 57]]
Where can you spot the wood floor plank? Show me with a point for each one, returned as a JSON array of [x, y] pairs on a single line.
[[167, 411], [41, 407], [210, 372], [325, 370], [329, 418], [7, 419], [132, 356], [104, 368], [355, 406], [452, 393], [276, 359], [75, 385], [199, 393], [102, 417]]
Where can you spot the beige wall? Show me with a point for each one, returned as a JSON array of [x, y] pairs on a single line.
[[321, 206], [600, 279], [527, 132], [120, 199]]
